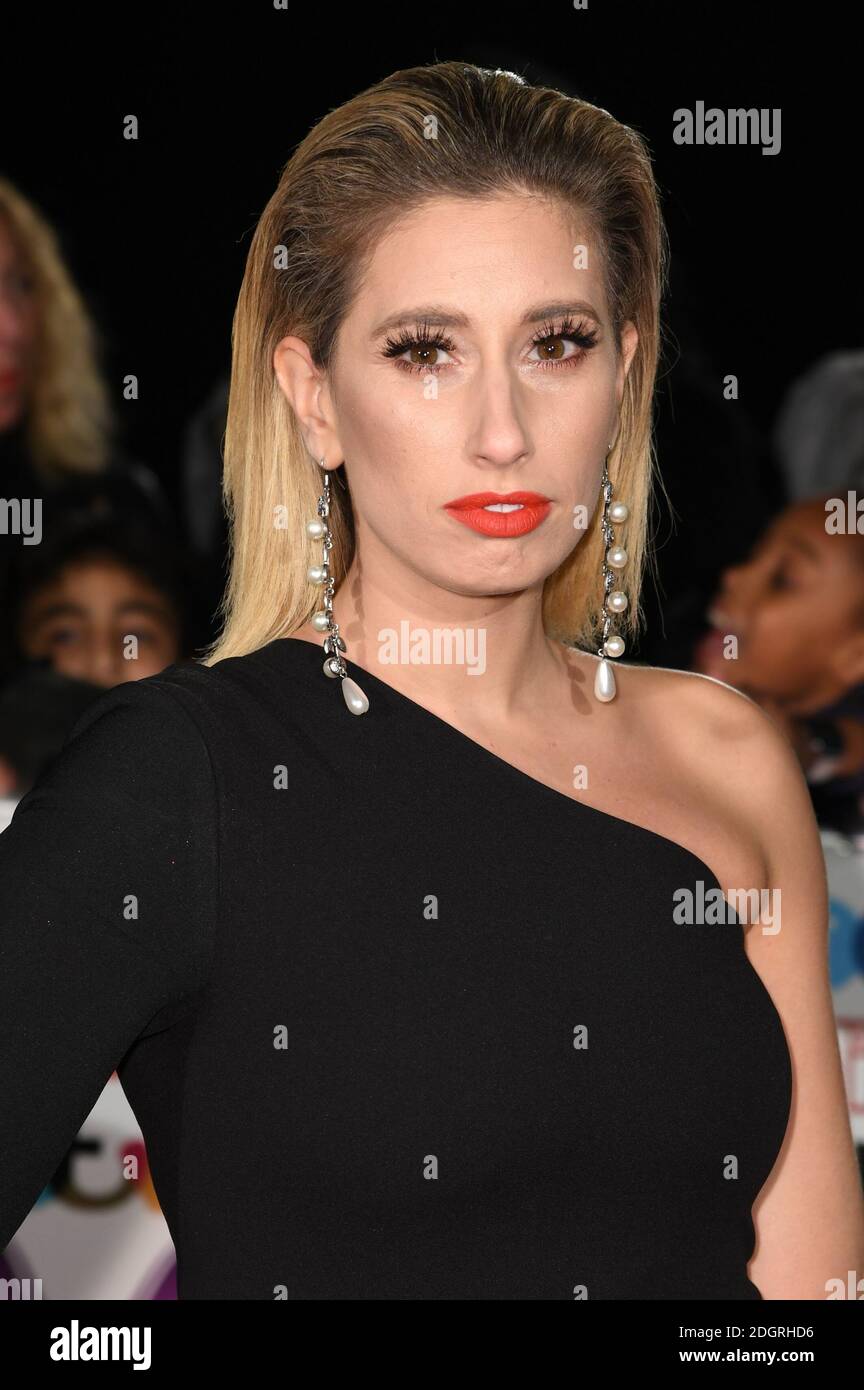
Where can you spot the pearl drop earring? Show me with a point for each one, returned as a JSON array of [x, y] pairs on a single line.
[[334, 645], [614, 600]]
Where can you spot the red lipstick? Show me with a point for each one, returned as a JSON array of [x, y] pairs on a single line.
[[525, 511]]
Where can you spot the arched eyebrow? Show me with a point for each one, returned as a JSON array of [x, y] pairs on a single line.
[[440, 316]]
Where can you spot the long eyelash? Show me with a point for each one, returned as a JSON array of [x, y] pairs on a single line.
[[584, 337], [423, 337]]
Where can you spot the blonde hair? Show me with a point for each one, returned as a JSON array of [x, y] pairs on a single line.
[[361, 167], [68, 423]]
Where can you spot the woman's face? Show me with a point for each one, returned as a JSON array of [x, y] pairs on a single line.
[[792, 607], [18, 328], [83, 620], [475, 358]]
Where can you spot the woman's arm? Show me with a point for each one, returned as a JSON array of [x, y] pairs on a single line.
[[809, 1216], [107, 883]]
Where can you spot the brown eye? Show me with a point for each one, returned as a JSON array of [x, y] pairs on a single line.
[[563, 344], [552, 349], [419, 352], [424, 356]]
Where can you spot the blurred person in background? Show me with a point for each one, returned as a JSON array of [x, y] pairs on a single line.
[[105, 598], [786, 627], [795, 602], [56, 420]]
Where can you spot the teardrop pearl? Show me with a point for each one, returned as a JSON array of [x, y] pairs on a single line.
[[604, 682], [354, 697]]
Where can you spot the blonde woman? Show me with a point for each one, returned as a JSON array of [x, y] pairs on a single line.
[[402, 914]]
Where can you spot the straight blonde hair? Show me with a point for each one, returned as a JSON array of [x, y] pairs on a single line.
[[444, 130]]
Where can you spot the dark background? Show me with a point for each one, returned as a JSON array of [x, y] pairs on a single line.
[[765, 248]]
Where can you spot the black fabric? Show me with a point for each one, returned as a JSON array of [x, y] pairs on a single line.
[[429, 926]]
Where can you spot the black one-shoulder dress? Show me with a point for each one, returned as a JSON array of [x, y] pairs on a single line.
[[397, 1020]]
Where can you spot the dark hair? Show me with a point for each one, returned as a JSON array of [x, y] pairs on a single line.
[[105, 519]]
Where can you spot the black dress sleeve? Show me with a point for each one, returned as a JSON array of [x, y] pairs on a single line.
[[108, 900]]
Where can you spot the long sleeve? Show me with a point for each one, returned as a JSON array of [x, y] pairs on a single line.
[[108, 892]]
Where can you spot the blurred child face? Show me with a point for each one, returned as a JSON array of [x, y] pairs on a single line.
[[794, 606], [99, 621], [18, 329]]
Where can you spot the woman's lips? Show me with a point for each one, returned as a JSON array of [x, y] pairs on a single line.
[[521, 512]]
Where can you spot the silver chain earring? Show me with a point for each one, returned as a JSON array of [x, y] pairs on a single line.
[[614, 600], [319, 530]]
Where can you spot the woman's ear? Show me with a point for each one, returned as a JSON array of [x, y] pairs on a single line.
[[307, 391], [629, 343]]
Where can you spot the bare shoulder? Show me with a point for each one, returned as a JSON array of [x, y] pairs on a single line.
[[703, 707], [732, 749]]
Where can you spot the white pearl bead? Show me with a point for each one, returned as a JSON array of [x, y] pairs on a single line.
[[317, 574], [354, 697], [616, 557], [619, 511], [320, 621], [614, 646], [604, 682], [617, 601], [315, 529]]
